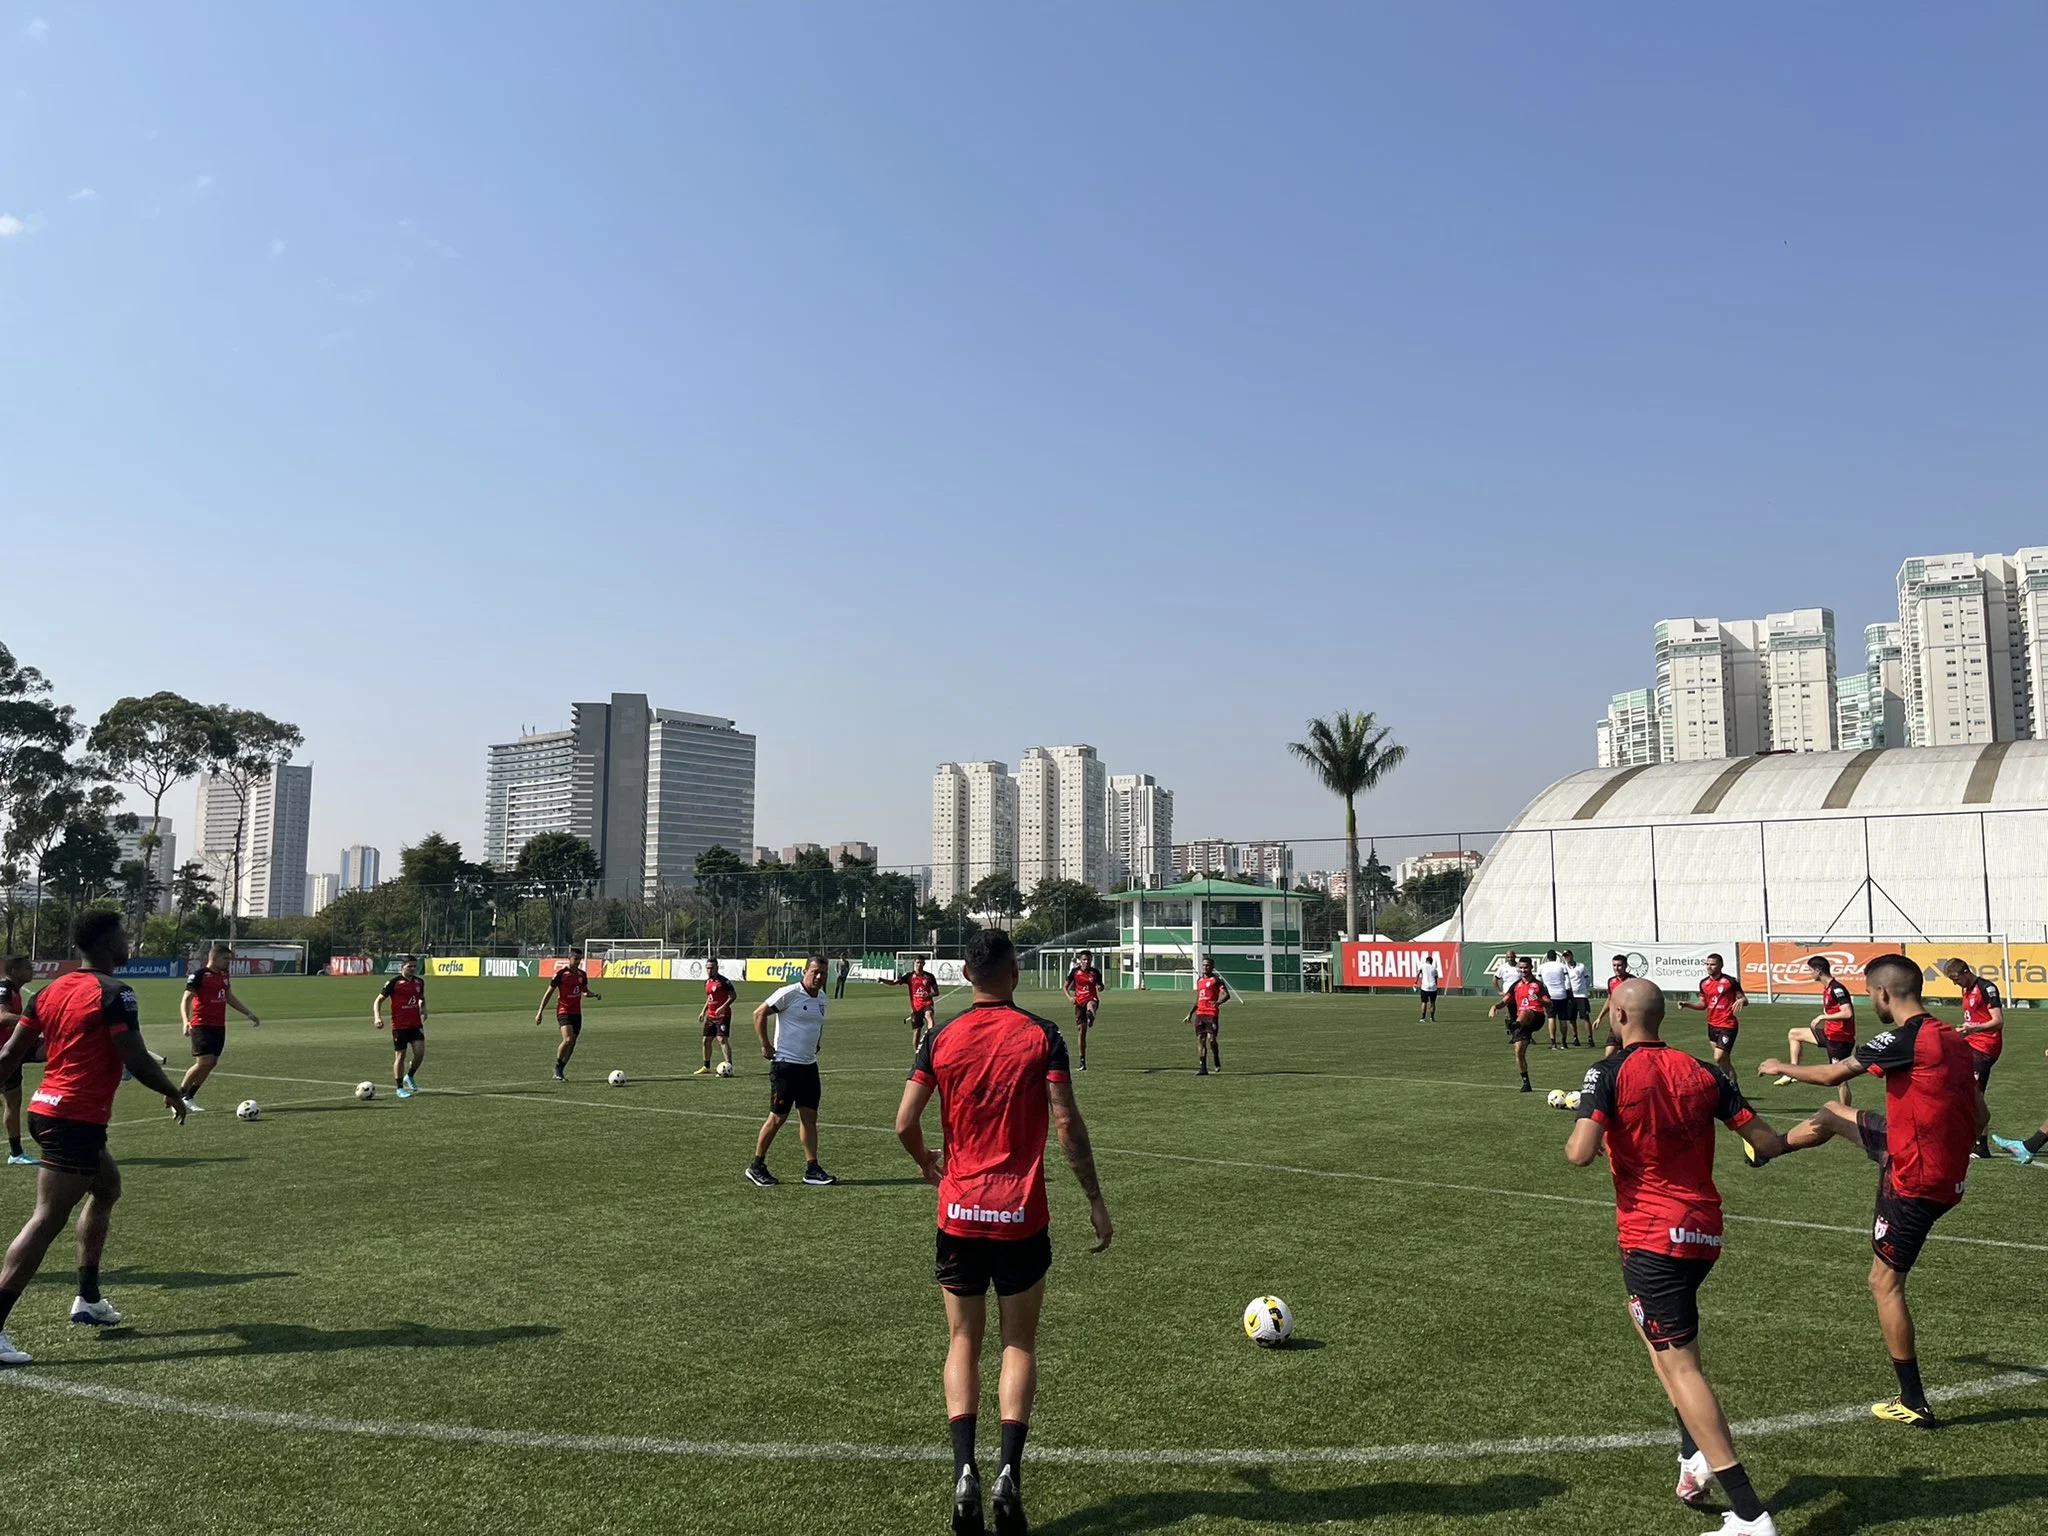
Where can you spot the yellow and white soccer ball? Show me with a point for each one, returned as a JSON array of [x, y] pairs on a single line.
[[1556, 1098], [617, 1079], [247, 1110], [1268, 1322], [366, 1090], [1572, 1100]]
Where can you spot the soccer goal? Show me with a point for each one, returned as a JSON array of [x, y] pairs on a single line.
[[1777, 967], [265, 957], [904, 957], [631, 949]]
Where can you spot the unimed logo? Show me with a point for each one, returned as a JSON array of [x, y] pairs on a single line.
[[1687, 1237], [955, 1211]]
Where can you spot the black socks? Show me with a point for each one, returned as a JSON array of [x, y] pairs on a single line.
[[1910, 1391], [1741, 1497], [2036, 1142], [1013, 1449], [88, 1282], [14, 1145], [7, 1301], [1687, 1446], [963, 1442]]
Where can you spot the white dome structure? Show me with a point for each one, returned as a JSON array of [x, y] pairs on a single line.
[[1934, 841]]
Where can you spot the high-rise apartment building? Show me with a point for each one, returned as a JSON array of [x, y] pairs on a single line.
[[1870, 711], [1710, 700], [1083, 845], [1038, 818], [162, 857], [273, 828], [856, 850], [949, 833], [1212, 856], [648, 789], [991, 821], [360, 866], [1266, 864], [323, 889], [1798, 660], [1138, 830], [1963, 654], [1630, 736]]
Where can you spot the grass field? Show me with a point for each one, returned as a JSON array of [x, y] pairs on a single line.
[[512, 1305]]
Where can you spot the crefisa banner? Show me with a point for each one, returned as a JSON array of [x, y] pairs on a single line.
[[1383, 963], [1674, 967]]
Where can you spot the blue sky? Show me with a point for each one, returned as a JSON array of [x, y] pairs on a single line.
[[919, 381]]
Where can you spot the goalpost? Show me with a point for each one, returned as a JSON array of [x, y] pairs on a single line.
[[262, 957], [1785, 955]]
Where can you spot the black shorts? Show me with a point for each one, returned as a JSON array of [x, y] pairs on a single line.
[[69, 1146], [921, 1018], [1084, 1015], [572, 1022], [1582, 1009], [209, 1039], [1900, 1225], [1983, 1064], [1526, 1028], [401, 1038], [1723, 1039], [1664, 1295], [792, 1085], [1559, 1008], [968, 1266], [720, 1028], [1208, 1023]]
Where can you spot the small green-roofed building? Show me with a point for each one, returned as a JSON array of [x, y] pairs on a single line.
[[1252, 932]]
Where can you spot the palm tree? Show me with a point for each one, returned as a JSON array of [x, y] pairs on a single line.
[[1350, 754]]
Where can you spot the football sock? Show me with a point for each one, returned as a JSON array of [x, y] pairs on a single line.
[[7, 1301], [1735, 1483], [14, 1145], [2033, 1143], [1687, 1446], [1984, 1146], [89, 1282], [963, 1442], [1911, 1393], [1014, 1432]]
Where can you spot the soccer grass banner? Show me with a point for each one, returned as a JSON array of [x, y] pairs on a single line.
[[1674, 967], [1382, 963]]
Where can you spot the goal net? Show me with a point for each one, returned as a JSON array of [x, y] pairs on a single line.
[[264, 957]]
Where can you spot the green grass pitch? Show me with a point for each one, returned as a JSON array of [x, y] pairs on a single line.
[[506, 1254]]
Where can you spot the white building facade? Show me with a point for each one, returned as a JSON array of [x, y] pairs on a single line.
[[1630, 735], [1138, 830], [949, 833], [361, 867], [162, 857], [1038, 817], [1798, 662], [991, 821]]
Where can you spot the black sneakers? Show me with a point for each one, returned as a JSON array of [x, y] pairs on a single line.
[[757, 1173], [814, 1174]]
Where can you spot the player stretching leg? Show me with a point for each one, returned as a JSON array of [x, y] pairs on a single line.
[[90, 1030], [408, 994], [568, 987], [2025, 1151], [1655, 1108], [1722, 1001], [19, 973], [1211, 993], [208, 997], [716, 1015], [924, 999], [1000, 1074], [1833, 1029], [799, 1013], [1084, 991], [1524, 1003], [1983, 1026], [1621, 974], [1934, 1111]]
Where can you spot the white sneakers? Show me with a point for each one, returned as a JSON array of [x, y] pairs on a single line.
[[194, 1109], [98, 1314], [1695, 1478], [10, 1355], [1733, 1525]]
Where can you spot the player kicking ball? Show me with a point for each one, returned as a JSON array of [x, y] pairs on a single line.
[[407, 994], [924, 999], [1084, 991], [716, 1016], [568, 987], [1653, 1109], [1524, 1001], [1211, 993], [208, 997]]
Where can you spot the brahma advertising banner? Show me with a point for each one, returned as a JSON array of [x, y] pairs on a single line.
[[1384, 963], [1674, 967]]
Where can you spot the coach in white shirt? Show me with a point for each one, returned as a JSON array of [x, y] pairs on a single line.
[[1428, 981], [799, 1013], [1580, 977], [1507, 970], [1556, 977]]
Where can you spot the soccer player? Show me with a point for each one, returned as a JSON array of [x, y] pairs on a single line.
[[1557, 994], [2025, 1151], [1579, 977], [408, 995], [1429, 981], [1721, 1000], [1211, 993], [716, 1015], [1654, 1108], [209, 994], [924, 998], [1000, 1073], [568, 987], [1084, 991], [90, 1029], [1833, 1029], [1524, 1003], [1934, 1111], [1983, 1026], [799, 1013], [20, 971], [1621, 974]]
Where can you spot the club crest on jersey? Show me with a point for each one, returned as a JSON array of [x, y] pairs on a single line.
[[1880, 1229], [1635, 1310]]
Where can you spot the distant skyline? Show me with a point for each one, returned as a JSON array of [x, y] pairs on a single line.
[[897, 379]]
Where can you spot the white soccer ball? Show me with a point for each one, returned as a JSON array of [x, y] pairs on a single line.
[[1556, 1099], [617, 1079], [725, 1069], [366, 1090], [1572, 1100], [247, 1110], [1268, 1322]]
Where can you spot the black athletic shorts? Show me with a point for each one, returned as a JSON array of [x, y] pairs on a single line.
[[1582, 1008], [1983, 1064], [1664, 1295], [1526, 1028], [401, 1038], [719, 1028], [572, 1022], [921, 1018], [1559, 1008], [1084, 1015], [1427, 994], [792, 1085], [968, 1266], [209, 1039], [69, 1146], [1723, 1039], [1900, 1225], [1208, 1023]]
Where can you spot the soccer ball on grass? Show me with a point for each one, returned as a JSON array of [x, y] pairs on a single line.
[[366, 1090], [1267, 1322], [617, 1079], [247, 1110], [1556, 1098], [725, 1069], [1572, 1100]]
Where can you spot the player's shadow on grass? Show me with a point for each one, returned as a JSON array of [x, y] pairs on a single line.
[[295, 1339], [1262, 1502], [1892, 1502], [192, 1279], [176, 1162]]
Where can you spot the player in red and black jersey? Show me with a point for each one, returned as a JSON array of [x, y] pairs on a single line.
[[209, 994], [716, 1015], [19, 972], [407, 992], [1211, 993], [1000, 1074], [1084, 991], [90, 1030], [568, 987], [1833, 1029], [1654, 1109], [1934, 1113], [1526, 1000], [1983, 1026], [1621, 974], [924, 998], [1722, 1001]]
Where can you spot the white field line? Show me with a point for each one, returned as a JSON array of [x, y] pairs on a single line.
[[651, 1445]]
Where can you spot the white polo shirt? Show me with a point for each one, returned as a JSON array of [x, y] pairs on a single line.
[[1582, 979], [799, 1021], [1556, 977], [1426, 974], [1507, 972]]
